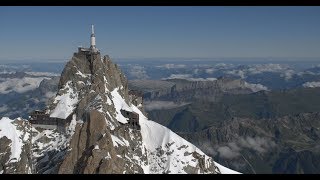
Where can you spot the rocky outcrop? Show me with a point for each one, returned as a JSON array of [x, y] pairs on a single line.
[[303, 162], [94, 150]]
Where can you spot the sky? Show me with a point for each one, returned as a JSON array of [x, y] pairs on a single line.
[[50, 32]]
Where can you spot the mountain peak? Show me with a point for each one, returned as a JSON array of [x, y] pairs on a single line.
[[94, 125], [111, 131]]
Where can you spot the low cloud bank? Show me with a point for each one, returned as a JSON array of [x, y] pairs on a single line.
[[233, 149], [157, 105]]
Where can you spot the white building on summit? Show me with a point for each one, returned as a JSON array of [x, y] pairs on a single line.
[[58, 120], [93, 40], [93, 47]]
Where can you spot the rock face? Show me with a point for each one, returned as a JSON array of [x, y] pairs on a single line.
[[288, 144], [99, 138]]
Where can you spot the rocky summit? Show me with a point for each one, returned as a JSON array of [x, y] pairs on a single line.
[[95, 124]]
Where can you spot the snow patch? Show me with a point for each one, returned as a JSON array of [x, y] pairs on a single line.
[[83, 75], [72, 126], [119, 104], [105, 80], [108, 156], [117, 141], [11, 132], [96, 146], [66, 103], [177, 151], [55, 141], [225, 170], [108, 101]]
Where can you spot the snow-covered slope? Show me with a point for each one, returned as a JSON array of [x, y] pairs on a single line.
[[166, 151], [65, 104], [15, 146], [9, 130]]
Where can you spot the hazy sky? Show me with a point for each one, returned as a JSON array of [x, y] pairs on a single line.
[[134, 32]]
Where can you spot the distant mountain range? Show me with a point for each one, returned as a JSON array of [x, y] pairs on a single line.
[[21, 93], [251, 131]]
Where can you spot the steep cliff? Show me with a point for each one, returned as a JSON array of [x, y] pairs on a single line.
[[182, 90]]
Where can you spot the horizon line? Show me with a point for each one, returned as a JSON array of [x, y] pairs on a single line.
[[164, 58]]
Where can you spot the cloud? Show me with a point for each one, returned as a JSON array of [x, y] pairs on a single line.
[[283, 69], [227, 152], [208, 148], [196, 71], [239, 73], [189, 77], [157, 105], [201, 79], [210, 71], [3, 108], [234, 146], [244, 71], [202, 65], [172, 66], [287, 74], [179, 76], [270, 67], [233, 149], [20, 85], [311, 84], [223, 65], [138, 72], [42, 73], [11, 69], [306, 73], [259, 144], [255, 87], [49, 94]]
